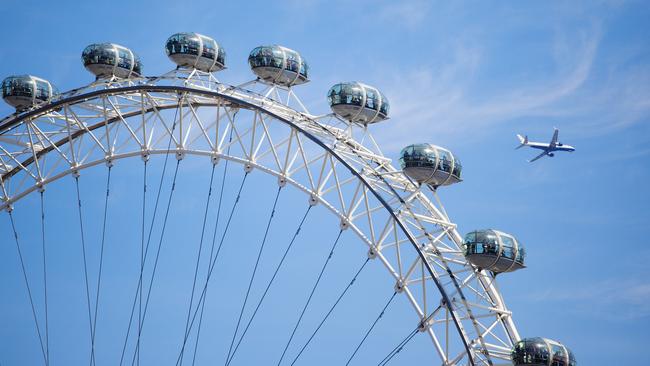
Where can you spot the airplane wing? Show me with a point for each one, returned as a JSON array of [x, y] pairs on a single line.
[[538, 156], [554, 139]]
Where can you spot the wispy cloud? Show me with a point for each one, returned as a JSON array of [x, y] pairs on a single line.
[[409, 14], [448, 101]]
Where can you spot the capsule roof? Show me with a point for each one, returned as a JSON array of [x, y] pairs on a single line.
[[279, 65], [494, 250], [430, 164], [358, 102], [193, 50], [542, 352], [25, 91], [105, 60]]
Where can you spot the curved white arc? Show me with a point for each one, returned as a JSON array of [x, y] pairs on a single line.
[[286, 115]]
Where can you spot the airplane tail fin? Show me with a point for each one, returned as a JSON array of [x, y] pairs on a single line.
[[523, 141]]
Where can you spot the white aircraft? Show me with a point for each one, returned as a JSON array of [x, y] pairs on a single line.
[[549, 148]]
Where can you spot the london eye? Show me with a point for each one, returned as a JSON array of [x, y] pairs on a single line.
[[220, 252]]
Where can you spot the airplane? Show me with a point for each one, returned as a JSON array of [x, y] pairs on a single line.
[[549, 148]]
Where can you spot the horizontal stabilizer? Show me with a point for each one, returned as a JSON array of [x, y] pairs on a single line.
[[523, 140]]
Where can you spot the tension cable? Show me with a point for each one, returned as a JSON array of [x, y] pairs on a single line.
[[381, 314], [257, 261], [268, 286], [311, 294], [331, 310]]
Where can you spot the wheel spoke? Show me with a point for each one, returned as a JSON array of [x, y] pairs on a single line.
[[257, 261], [213, 262], [329, 312], [155, 264], [101, 261], [311, 294], [85, 263], [365, 336], [268, 285], [47, 330], [29, 290]]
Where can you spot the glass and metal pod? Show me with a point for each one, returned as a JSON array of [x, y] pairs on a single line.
[[193, 50], [279, 65], [539, 351], [358, 102], [430, 164], [106, 60], [26, 91], [494, 250]]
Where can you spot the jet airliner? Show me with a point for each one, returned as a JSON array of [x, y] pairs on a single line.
[[548, 149]]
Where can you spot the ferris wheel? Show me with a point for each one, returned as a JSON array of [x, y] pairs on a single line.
[[390, 217]]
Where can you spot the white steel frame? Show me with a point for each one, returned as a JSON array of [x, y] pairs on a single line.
[[337, 164]]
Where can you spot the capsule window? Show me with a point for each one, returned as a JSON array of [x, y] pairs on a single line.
[[521, 254], [304, 68], [174, 44], [209, 48], [278, 58], [457, 168], [42, 90], [124, 59], [22, 88], [192, 46], [422, 157], [106, 56], [351, 94], [293, 63], [263, 57], [445, 161], [385, 106], [335, 95], [508, 243], [221, 58], [137, 66], [371, 99]]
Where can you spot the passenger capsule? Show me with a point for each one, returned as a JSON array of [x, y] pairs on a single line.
[[494, 251], [279, 65], [107, 59], [358, 102], [542, 352], [430, 164], [25, 91], [193, 50]]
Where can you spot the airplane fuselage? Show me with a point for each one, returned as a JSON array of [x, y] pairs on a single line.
[[547, 149], [558, 147]]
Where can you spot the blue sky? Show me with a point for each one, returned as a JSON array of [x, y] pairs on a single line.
[[464, 75]]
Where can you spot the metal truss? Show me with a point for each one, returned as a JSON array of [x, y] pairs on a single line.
[[337, 164]]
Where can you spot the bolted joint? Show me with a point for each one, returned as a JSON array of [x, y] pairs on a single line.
[[109, 161], [345, 224], [75, 173], [248, 167], [399, 286], [145, 155], [41, 186], [9, 208], [313, 200], [282, 181], [425, 324], [372, 252], [180, 154], [215, 158]]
